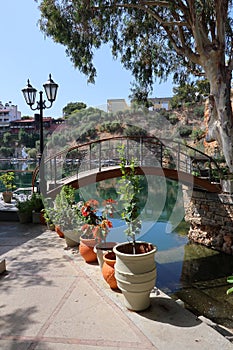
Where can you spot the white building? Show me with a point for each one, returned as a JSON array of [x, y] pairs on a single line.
[[116, 105], [8, 113]]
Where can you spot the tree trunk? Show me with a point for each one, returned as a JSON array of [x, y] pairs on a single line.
[[220, 126]]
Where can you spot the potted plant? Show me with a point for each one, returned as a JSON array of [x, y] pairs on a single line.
[[55, 209], [37, 207], [49, 213], [95, 227], [24, 211], [7, 180], [135, 268], [66, 217]]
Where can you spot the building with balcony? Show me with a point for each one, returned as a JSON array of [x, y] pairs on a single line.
[[8, 113]]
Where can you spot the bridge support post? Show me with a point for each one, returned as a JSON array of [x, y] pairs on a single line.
[[211, 219]]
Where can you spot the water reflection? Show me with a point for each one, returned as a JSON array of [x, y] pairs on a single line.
[[186, 271], [23, 174]]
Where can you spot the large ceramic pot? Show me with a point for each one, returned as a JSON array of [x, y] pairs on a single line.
[[135, 273], [101, 248], [86, 249], [108, 270]]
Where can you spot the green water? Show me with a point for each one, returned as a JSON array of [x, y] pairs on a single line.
[[23, 173], [186, 271]]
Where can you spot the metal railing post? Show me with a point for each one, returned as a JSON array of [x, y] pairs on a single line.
[[100, 150], [90, 156], [141, 151]]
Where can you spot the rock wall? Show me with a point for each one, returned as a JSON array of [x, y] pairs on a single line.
[[211, 219]]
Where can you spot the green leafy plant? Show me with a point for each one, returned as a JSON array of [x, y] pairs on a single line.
[[24, 206], [37, 202], [7, 180], [230, 280], [69, 215], [129, 191]]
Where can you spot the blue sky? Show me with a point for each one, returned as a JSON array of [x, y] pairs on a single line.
[[25, 53]]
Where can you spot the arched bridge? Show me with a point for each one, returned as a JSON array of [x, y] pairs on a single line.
[[99, 160]]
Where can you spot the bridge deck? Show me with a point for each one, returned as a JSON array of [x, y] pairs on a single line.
[[92, 176]]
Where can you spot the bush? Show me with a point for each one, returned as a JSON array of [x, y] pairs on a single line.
[[197, 134], [185, 131]]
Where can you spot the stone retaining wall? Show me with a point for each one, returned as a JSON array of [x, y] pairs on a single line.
[[211, 219]]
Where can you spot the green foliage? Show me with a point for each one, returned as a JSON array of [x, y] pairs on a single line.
[[173, 119], [29, 140], [72, 107], [111, 127], [7, 138], [6, 152], [32, 153], [25, 206], [199, 111], [138, 34], [185, 131], [37, 202], [64, 214], [130, 191], [133, 130], [197, 134], [8, 180], [230, 280], [186, 94]]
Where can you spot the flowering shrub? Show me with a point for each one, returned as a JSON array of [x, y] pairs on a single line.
[[95, 225]]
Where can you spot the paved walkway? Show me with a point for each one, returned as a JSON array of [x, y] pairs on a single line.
[[52, 300]]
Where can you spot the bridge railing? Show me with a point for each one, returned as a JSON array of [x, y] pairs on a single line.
[[148, 151]]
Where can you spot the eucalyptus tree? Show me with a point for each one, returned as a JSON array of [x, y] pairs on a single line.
[[154, 39]]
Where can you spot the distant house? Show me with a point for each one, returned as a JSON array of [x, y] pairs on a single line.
[[8, 114], [116, 105], [32, 125], [160, 102]]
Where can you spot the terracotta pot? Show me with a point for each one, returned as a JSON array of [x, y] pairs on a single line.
[[59, 232], [108, 269], [38, 218], [7, 196], [102, 248], [86, 249]]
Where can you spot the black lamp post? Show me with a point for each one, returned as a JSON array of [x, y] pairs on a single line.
[[29, 94]]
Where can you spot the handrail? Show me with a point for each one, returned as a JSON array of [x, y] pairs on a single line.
[[160, 145]]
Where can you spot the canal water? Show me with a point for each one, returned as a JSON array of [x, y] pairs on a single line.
[[186, 271], [192, 273], [23, 172]]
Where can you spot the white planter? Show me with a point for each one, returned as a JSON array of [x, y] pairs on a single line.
[[72, 237], [135, 275]]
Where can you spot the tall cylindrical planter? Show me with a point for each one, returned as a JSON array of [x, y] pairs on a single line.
[[135, 273]]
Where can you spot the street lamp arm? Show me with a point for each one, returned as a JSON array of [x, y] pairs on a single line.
[[41, 105]]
